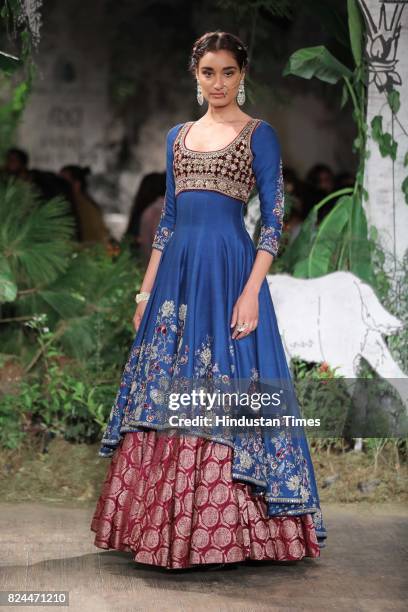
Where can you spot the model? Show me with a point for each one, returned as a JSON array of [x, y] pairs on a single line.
[[179, 491]]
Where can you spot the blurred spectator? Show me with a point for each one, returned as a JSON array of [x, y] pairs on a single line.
[[46, 185], [294, 212], [152, 186], [17, 163], [319, 184], [92, 226], [50, 185], [321, 177], [293, 188]]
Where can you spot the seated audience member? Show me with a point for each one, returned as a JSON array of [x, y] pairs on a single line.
[[293, 203], [17, 163], [92, 226], [319, 183], [152, 186]]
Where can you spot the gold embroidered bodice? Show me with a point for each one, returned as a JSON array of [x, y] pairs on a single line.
[[249, 160], [228, 170]]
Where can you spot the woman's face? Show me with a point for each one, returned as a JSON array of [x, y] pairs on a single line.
[[219, 75], [326, 181]]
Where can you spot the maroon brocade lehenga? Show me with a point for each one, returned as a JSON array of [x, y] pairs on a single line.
[[170, 499]]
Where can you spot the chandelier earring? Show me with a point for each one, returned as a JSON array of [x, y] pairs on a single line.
[[241, 93], [200, 98]]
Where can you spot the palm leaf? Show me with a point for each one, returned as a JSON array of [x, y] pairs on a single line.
[[34, 236], [8, 287]]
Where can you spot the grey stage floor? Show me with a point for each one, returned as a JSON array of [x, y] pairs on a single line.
[[363, 567]]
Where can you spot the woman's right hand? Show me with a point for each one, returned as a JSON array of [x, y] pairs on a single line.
[[137, 317]]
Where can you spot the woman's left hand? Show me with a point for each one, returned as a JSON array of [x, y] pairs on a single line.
[[246, 310]]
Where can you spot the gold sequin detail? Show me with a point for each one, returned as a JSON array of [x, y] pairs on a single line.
[[228, 170]]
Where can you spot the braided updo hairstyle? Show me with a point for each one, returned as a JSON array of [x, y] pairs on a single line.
[[214, 41]]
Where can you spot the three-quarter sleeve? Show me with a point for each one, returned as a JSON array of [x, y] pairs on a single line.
[[167, 220], [267, 167]]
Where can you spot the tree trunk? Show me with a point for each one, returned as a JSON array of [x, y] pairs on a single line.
[[387, 56]]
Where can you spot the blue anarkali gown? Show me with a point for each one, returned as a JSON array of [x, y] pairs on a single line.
[[185, 335]]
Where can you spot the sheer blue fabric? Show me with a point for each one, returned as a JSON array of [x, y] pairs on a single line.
[[185, 333]]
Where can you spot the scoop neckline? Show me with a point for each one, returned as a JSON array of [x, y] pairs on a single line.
[[191, 123]]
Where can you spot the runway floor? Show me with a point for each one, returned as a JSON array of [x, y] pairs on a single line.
[[362, 569]]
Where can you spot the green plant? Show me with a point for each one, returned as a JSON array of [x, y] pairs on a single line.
[[86, 294], [34, 239], [341, 242], [62, 399], [12, 414], [23, 22], [322, 395], [65, 316]]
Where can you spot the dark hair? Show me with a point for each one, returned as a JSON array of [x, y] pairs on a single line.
[[151, 187], [214, 41], [78, 173], [21, 154], [313, 174]]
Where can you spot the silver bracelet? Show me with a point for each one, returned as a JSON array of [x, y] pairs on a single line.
[[142, 297]]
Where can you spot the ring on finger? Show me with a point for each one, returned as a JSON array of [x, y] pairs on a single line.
[[242, 327]]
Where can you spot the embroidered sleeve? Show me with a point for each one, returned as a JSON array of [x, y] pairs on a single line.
[[267, 167], [167, 220]]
